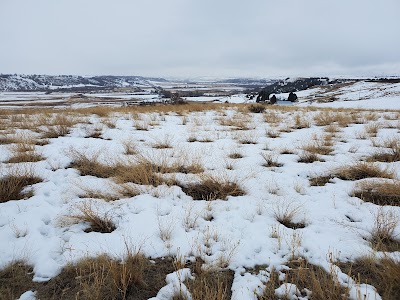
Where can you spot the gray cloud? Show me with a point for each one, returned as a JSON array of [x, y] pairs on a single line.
[[188, 38]]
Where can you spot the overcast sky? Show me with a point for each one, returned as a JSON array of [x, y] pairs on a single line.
[[192, 38]]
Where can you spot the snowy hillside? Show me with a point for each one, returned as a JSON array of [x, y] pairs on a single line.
[[46, 82], [255, 198]]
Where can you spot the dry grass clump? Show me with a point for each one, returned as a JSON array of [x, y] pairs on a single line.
[[90, 212], [382, 235], [114, 192], [332, 128], [129, 147], [306, 277], [13, 186], [301, 122], [235, 155], [90, 165], [256, 108], [103, 277], [270, 160], [361, 170], [15, 279], [271, 117], [320, 180], [322, 146], [309, 157], [164, 143], [24, 152], [59, 126], [208, 284], [325, 118], [380, 193], [389, 155], [383, 274], [212, 188], [138, 169], [285, 213], [7, 139], [272, 133], [357, 171]]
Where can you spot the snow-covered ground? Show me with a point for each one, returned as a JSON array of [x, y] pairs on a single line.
[[243, 230]]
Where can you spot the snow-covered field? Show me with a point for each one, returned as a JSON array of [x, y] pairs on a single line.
[[258, 152]]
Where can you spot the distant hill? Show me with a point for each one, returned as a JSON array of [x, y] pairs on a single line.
[[70, 82]]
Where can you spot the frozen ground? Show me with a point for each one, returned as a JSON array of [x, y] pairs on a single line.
[[243, 231]]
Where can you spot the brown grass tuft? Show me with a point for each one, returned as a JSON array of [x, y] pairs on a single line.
[[362, 170], [381, 193], [103, 277], [382, 235], [308, 157], [212, 188], [15, 279], [13, 186], [210, 284], [90, 213], [256, 108], [383, 274], [306, 277]]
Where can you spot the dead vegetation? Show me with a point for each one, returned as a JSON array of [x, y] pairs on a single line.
[[14, 185], [208, 283], [356, 171], [309, 280], [383, 274], [379, 192], [94, 215], [15, 279], [104, 277], [362, 170], [212, 188]]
